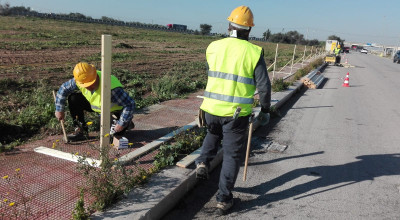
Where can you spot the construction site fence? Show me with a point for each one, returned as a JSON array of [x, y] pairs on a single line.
[[308, 55]]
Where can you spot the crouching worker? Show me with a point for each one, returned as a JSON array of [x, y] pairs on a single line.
[[84, 94], [236, 68]]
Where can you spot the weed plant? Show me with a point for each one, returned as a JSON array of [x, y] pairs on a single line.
[[107, 183], [183, 144], [80, 212], [279, 85], [34, 111], [305, 70], [18, 207]]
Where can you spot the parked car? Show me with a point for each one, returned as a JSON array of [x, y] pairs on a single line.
[[346, 49], [396, 58], [364, 51]]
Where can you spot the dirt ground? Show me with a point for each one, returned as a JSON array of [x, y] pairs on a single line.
[[44, 60]]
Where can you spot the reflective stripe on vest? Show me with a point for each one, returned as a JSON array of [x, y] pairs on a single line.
[[232, 77], [95, 97], [230, 82], [228, 98]]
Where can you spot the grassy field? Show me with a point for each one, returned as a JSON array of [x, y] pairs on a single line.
[[38, 55]]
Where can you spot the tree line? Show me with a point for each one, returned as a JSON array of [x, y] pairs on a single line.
[[290, 37]]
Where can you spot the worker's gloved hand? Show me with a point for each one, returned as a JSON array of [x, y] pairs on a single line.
[[263, 118], [112, 129], [116, 128]]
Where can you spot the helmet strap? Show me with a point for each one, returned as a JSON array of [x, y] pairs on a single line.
[[239, 26]]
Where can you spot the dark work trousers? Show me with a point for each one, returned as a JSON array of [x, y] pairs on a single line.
[[77, 104], [337, 59], [233, 134]]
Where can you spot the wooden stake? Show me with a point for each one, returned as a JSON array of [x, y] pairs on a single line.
[[105, 95], [276, 55], [294, 52], [248, 148], [304, 55]]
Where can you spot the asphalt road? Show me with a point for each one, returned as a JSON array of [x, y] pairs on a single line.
[[342, 159]]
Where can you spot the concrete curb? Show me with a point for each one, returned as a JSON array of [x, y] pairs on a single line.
[[165, 189]]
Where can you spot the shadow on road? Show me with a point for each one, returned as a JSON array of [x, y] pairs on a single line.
[[284, 158], [368, 167]]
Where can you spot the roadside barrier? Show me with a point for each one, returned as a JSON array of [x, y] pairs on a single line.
[[314, 79]]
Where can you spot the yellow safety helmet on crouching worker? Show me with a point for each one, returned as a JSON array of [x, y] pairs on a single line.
[[242, 15], [85, 74]]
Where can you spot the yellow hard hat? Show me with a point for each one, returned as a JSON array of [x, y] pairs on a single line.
[[242, 15], [338, 46], [85, 74]]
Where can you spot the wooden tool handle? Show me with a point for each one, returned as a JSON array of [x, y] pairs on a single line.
[[247, 151], [61, 121]]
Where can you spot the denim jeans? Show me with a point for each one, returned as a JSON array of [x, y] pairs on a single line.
[[232, 133]]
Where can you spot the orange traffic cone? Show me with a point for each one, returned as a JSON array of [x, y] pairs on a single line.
[[346, 81], [346, 61]]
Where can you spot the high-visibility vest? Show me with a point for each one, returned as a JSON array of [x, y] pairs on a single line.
[[230, 82], [337, 51], [95, 97]]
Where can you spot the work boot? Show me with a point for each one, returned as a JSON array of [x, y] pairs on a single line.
[[201, 171], [78, 135], [223, 207]]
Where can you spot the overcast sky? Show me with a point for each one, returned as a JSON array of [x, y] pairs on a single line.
[[363, 21]]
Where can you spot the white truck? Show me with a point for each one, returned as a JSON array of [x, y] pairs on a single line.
[[330, 45]]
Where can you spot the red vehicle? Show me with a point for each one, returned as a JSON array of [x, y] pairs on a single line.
[[179, 27]]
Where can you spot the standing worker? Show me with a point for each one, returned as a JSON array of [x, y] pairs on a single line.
[[236, 68], [87, 80], [337, 55]]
